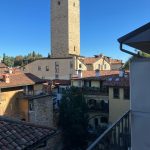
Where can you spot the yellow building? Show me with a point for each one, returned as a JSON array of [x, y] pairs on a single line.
[[119, 96], [96, 94], [104, 87], [13, 86], [97, 62]]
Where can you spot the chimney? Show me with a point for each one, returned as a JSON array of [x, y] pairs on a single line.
[[79, 73], [101, 55], [97, 73], [6, 78], [10, 70], [121, 73]]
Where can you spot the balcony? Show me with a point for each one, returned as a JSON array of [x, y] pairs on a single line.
[[94, 91], [116, 137], [94, 106]]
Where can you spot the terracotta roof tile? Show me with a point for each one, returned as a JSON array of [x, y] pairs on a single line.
[[90, 60], [20, 79], [21, 135], [86, 73], [113, 81], [115, 61], [2, 65]]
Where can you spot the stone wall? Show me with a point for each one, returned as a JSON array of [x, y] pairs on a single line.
[[42, 111], [65, 28]]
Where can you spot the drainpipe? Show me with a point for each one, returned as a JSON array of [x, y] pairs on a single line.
[[128, 52]]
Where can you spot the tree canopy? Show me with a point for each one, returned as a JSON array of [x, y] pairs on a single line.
[[20, 60], [74, 119], [126, 65]]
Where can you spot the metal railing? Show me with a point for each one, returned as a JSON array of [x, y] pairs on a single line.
[[93, 91], [116, 137]]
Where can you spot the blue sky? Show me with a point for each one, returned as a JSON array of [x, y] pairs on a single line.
[[25, 25]]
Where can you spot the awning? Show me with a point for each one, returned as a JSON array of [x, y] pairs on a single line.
[[139, 38]]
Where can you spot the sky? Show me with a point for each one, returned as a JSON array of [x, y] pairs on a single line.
[[25, 25]]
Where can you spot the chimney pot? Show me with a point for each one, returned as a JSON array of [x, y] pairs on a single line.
[[6, 78]]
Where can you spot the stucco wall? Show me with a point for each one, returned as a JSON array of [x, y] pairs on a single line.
[[102, 62], [117, 107], [83, 66], [9, 103], [65, 69]]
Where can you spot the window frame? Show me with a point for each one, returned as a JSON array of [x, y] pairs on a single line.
[[124, 93], [114, 93]]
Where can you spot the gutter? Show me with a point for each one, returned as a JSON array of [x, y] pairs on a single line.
[[128, 52]]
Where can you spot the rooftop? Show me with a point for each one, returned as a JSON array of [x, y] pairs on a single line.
[[17, 135], [20, 79], [87, 73]]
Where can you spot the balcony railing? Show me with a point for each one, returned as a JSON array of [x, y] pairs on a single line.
[[116, 137], [93, 91]]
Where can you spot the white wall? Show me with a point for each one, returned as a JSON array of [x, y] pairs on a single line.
[[140, 104]]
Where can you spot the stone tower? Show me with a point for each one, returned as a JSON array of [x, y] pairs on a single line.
[[65, 28]]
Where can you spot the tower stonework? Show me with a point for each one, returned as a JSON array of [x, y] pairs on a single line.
[[65, 28]]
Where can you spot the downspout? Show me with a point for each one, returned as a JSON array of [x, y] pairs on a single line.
[[128, 52]]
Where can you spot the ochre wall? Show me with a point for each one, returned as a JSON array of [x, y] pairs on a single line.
[[101, 62], [117, 107], [9, 103]]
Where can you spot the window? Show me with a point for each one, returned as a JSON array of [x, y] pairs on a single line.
[[99, 66], [116, 93], [56, 76], [80, 65], [80, 83], [47, 68], [92, 102], [105, 66], [96, 122], [74, 4], [31, 105], [104, 120], [58, 2], [71, 64], [127, 93], [74, 48], [70, 75], [39, 68], [56, 67]]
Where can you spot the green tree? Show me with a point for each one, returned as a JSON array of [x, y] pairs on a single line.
[[126, 65], [49, 56], [74, 119], [9, 61], [18, 60], [4, 56]]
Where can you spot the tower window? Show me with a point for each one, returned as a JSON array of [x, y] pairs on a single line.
[[58, 2], [74, 4], [74, 48], [80, 65], [47, 68], [39, 68]]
